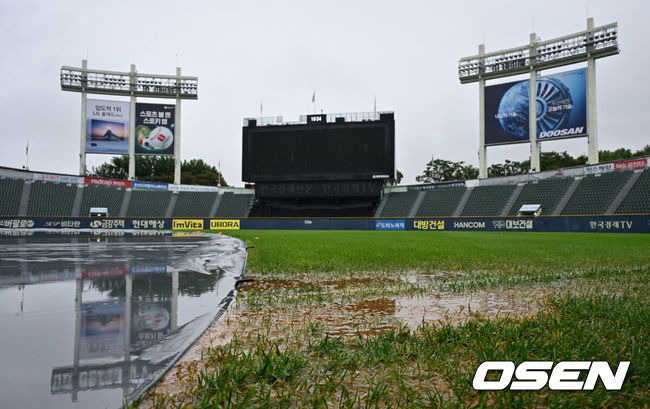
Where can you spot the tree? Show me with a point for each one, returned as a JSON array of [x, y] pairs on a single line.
[[161, 169], [509, 168], [441, 170], [398, 178]]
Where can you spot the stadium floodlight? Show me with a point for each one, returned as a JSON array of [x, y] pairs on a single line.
[[126, 83], [579, 47], [584, 46], [133, 85]]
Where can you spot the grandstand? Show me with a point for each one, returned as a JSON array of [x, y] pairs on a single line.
[[101, 196], [488, 200], [194, 204], [234, 205], [399, 204], [148, 203], [638, 198], [440, 202], [574, 193], [595, 192], [10, 192], [51, 199], [545, 192]]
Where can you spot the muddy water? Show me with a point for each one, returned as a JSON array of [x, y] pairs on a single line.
[[88, 321]]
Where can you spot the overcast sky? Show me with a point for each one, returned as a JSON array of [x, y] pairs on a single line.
[[243, 52]]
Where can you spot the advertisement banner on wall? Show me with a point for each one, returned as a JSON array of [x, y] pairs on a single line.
[[631, 164], [107, 182], [107, 126], [149, 186], [389, 224], [154, 129], [561, 103]]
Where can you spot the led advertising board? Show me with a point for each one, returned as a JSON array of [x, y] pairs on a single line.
[[561, 104]]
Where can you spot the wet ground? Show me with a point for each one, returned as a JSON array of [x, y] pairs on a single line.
[[90, 320]]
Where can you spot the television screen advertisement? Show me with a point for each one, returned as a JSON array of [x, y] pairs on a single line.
[[107, 127], [154, 129], [561, 103]]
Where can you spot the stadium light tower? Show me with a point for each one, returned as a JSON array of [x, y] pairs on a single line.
[[132, 84], [584, 46]]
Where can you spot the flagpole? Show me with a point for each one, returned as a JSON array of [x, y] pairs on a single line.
[[27, 156]]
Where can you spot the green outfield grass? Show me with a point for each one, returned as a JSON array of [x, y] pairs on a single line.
[[318, 327]]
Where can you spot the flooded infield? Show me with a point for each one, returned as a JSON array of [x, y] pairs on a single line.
[[91, 320]]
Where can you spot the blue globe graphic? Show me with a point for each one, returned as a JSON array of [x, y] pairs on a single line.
[[553, 105], [513, 111]]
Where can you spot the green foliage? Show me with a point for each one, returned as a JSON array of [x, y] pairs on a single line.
[[160, 169], [441, 170], [398, 178], [508, 168]]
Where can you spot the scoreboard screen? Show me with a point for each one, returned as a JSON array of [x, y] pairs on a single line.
[[319, 151]]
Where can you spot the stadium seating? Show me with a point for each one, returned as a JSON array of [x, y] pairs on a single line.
[[441, 202], [595, 193], [194, 204], [398, 204], [148, 203], [10, 191], [488, 200], [638, 198], [546, 192], [234, 205], [51, 199], [101, 196]]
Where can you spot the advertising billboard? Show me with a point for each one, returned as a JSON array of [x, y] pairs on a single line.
[[102, 329], [107, 126], [561, 104], [154, 129], [150, 322]]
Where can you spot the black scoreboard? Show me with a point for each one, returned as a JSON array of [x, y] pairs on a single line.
[[319, 150]]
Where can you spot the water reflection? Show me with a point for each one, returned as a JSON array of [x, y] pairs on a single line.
[[127, 308]]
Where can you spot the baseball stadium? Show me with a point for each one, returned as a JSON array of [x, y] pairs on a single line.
[[323, 282]]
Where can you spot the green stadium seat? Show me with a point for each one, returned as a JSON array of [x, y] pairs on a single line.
[[488, 200], [546, 192], [51, 199], [595, 193], [399, 204], [194, 204], [441, 202], [10, 193], [149, 203], [234, 205], [101, 196], [638, 198]]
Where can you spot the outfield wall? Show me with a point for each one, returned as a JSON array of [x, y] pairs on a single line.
[[596, 223]]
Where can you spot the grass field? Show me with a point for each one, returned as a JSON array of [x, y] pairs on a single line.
[[403, 319]]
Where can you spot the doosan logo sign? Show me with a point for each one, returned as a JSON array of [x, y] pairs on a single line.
[[564, 376]]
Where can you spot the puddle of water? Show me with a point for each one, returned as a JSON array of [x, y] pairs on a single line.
[[90, 321], [379, 305], [457, 308]]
